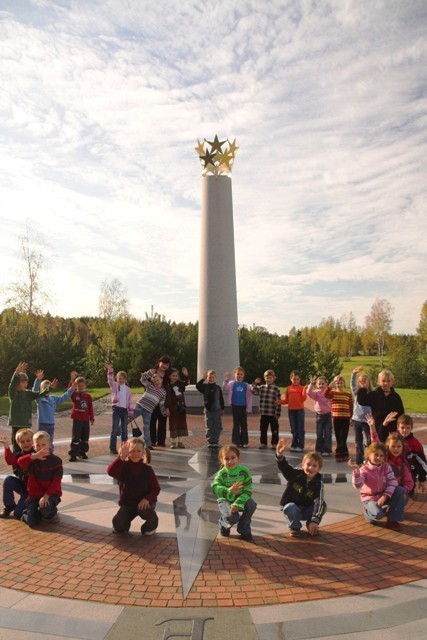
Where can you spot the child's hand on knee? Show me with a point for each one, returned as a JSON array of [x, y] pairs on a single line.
[[313, 529], [233, 509]]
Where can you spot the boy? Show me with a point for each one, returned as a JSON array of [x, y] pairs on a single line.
[[44, 482], [269, 407], [303, 498], [295, 397], [240, 398], [82, 416], [214, 406], [21, 399], [46, 404], [16, 483], [414, 452], [323, 409]]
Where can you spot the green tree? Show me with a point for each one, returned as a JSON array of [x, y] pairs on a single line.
[[328, 364], [378, 324]]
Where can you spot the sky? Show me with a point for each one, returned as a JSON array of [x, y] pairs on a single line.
[[101, 106]]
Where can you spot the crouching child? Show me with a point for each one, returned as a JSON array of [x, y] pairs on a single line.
[[303, 498]]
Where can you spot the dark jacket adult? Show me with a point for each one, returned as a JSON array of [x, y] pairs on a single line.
[[381, 405]]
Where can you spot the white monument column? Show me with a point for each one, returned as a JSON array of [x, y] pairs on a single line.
[[218, 344]]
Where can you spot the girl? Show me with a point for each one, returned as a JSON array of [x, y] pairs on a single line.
[[294, 397], [378, 487], [154, 396], [396, 455], [323, 409], [382, 401], [240, 398], [121, 402], [342, 408], [158, 419], [358, 419], [233, 489], [138, 487], [175, 402]]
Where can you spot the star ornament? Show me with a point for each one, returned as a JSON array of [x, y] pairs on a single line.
[[217, 156]]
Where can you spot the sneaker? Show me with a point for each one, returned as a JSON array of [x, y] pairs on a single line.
[[240, 444], [225, 533], [210, 446], [181, 445], [293, 449], [114, 452], [7, 510], [295, 533], [262, 446], [394, 526], [54, 520], [174, 446], [215, 445], [83, 456], [149, 529], [299, 449], [245, 446], [247, 537], [72, 459], [326, 454]]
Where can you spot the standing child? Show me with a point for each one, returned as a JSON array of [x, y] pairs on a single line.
[[44, 482], [414, 452], [303, 498], [383, 400], [16, 483], [358, 419], [121, 402], [175, 402], [155, 395], [240, 398], [232, 487], [378, 487], [342, 409], [138, 487], [21, 400], [323, 410], [295, 397], [158, 418], [269, 407], [46, 404], [214, 406], [82, 416]]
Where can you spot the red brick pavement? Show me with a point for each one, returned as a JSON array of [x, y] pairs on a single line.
[[348, 558]]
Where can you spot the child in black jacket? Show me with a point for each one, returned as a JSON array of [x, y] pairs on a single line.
[[303, 498], [214, 406]]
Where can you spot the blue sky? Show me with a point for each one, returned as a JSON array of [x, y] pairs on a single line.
[[101, 106]]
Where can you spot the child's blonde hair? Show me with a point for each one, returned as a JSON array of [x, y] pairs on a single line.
[[364, 376], [226, 449], [211, 372], [396, 437], [239, 369], [121, 373], [141, 443], [39, 435], [80, 379], [375, 446], [269, 372], [313, 455], [23, 432], [44, 385], [338, 379], [386, 373]]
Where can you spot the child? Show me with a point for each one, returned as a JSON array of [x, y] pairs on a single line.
[[303, 498], [378, 487], [44, 482], [358, 419], [233, 489], [295, 397], [21, 399], [82, 416], [47, 404], [155, 395], [240, 398], [121, 402], [16, 483], [175, 402], [342, 409], [158, 419], [138, 487], [414, 452], [323, 409], [383, 400], [214, 406], [269, 407]]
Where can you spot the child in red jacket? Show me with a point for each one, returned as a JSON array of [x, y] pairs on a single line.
[[82, 416]]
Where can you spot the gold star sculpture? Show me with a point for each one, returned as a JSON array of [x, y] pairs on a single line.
[[217, 156]]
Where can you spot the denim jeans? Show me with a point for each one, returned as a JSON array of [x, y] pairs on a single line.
[[146, 419], [294, 513], [12, 485], [296, 420], [324, 432], [361, 429], [158, 427], [243, 519], [33, 513], [50, 429], [395, 512], [120, 428]]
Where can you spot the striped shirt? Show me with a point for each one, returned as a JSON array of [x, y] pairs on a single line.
[[152, 397], [342, 403]]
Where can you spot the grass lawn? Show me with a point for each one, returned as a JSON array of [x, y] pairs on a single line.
[[95, 393]]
